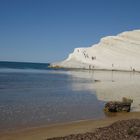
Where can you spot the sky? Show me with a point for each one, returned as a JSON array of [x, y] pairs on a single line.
[[48, 30]]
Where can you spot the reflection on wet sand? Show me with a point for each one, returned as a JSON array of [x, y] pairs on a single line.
[[112, 85]]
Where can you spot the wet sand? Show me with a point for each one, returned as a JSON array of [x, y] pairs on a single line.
[[57, 130]]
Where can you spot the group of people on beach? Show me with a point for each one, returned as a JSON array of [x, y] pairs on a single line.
[[87, 56], [94, 58]]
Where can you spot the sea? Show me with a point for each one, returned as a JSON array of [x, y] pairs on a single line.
[[34, 95]]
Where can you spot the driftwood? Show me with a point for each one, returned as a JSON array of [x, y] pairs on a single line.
[[118, 106]]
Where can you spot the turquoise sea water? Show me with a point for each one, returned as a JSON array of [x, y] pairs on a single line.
[[31, 94], [23, 65]]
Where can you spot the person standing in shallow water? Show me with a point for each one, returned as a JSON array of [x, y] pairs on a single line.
[[89, 66]]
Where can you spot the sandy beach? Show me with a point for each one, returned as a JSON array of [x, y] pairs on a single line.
[[57, 130]]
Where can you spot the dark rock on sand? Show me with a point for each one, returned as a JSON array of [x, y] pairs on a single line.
[[117, 106]]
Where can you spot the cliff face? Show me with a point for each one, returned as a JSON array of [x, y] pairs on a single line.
[[121, 52]]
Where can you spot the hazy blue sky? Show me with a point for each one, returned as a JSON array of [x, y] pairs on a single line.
[[48, 30]]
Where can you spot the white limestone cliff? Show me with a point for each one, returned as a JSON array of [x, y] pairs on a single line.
[[121, 52]]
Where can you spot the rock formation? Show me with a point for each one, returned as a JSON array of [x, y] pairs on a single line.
[[118, 106], [121, 52]]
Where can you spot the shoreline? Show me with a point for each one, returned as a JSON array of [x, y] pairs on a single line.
[[95, 69], [63, 129]]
